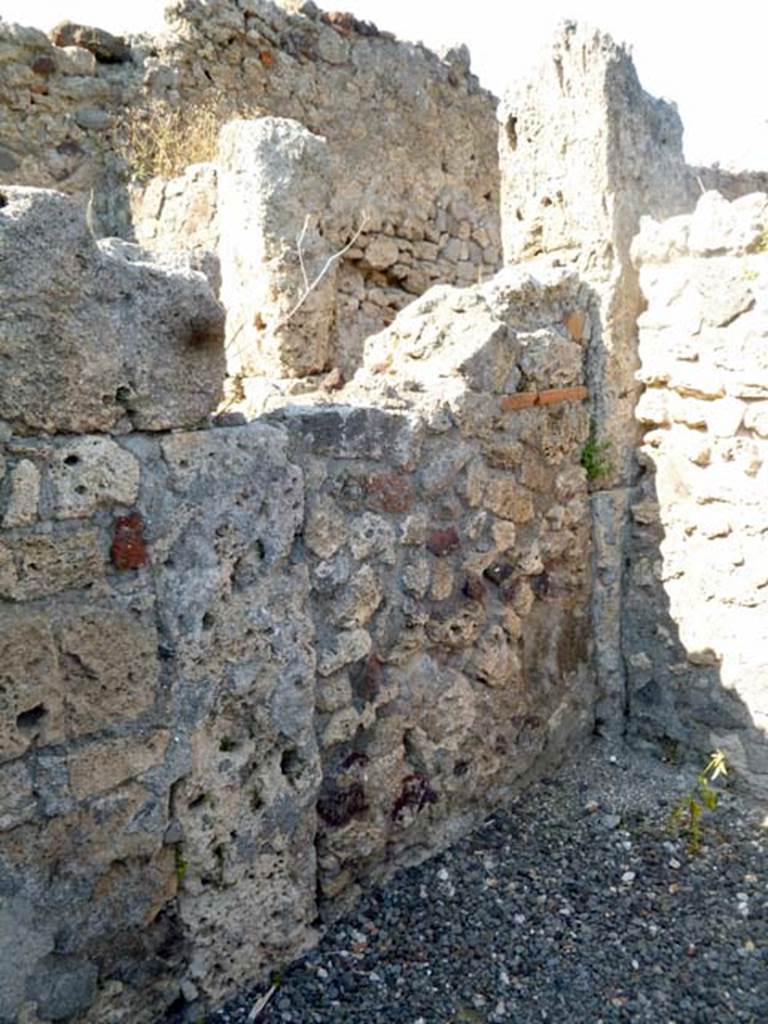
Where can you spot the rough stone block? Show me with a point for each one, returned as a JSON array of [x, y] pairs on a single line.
[[549, 361], [24, 941], [660, 242], [275, 185], [24, 497], [347, 647], [719, 227], [181, 213], [108, 665], [18, 800], [89, 337], [508, 500], [40, 565], [108, 763], [725, 416], [89, 473], [106, 48], [31, 704], [71, 671], [720, 290], [756, 418], [347, 432], [325, 529]]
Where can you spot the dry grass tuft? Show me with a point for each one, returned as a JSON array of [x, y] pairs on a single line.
[[162, 141]]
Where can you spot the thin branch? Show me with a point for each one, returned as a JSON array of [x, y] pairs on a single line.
[[89, 217], [326, 267], [259, 1005], [300, 250], [239, 351]]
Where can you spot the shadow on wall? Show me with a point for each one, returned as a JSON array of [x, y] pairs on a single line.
[[687, 697]]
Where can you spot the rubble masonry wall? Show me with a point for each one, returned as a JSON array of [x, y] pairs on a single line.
[[694, 631], [247, 669]]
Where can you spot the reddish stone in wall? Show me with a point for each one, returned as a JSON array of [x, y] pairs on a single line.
[[442, 542], [575, 323], [415, 793], [389, 492], [129, 550], [474, 588]]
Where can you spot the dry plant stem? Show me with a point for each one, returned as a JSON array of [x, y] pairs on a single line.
[[300, 250], [162, 141], [308, 287], [90, 218], [259, 1005], [326, 267]]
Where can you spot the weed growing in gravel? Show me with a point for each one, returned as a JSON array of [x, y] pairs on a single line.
[[689, 809]]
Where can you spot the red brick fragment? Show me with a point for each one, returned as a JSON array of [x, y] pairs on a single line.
[[347, 24], [474, 588], [443, 542], [523, 400], [129, 550], [370, 681], [576, 394], [44, 65], [415, 793], [528, 399]]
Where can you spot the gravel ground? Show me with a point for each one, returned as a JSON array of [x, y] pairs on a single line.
[[577, 904]]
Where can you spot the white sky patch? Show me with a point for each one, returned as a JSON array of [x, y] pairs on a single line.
[[709, 58]]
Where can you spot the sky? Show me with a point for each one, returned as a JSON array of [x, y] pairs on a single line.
[[710, 58]]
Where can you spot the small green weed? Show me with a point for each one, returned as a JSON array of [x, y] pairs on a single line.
[[689, 809], [594, 456], [181, 866]]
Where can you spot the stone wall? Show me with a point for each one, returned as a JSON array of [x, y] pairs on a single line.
[[386, 267], [695, 617], [677, 542], [730, 184], [248, 669], [411, 138], [585, 152], [447, 536], [288, 602]]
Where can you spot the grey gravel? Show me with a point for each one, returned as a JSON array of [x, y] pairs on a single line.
[[576, 904]]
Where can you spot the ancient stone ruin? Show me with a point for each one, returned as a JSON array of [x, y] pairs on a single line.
[[349, 480]]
